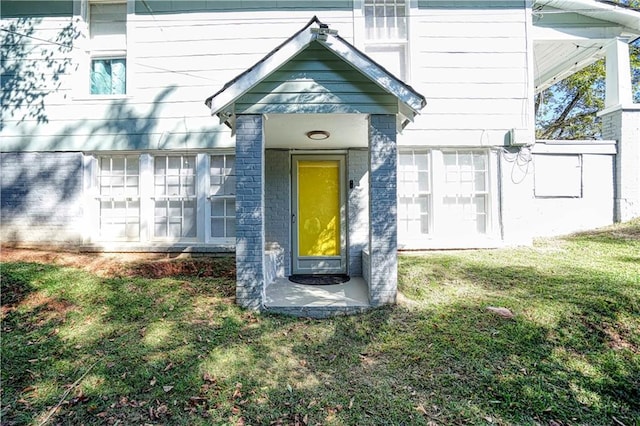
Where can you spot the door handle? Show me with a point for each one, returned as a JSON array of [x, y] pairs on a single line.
[[293, 218]]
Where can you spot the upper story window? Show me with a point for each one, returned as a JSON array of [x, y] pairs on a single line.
[[385, 20], [108, 48], [386, 34]]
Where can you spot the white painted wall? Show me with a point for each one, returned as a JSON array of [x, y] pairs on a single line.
[[593, 206]]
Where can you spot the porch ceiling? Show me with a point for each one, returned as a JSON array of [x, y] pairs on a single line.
[[558, 59], [289, 131], [569, 35]]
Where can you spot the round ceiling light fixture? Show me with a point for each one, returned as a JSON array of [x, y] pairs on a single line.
[[318, 135]]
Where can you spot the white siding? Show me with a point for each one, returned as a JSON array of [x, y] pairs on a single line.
[[174, 61], [471, 63]]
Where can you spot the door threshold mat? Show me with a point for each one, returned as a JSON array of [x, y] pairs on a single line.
[[319, 279]]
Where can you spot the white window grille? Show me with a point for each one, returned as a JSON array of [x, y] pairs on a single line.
[[119, 183], [386, 34], [222, 181], [175, 197], [414, 194], [466, 192], [385, 20]]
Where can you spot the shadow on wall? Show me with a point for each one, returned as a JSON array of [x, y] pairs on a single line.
[[42, 194], [39, 195], [33, 68]]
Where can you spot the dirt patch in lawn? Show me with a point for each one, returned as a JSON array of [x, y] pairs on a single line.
[[145, 265]]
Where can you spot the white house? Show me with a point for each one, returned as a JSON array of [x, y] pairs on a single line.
[[308, 137]]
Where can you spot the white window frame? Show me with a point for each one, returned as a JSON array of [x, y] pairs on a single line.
[[182, 197], [404, 192], [439, 192], [146, 197], [86, 53], [401, 44], [438, 237], [210, 197], [118, 198]]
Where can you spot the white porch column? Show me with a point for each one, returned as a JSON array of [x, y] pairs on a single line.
[[249, 211], [621, 122], [618, 75]]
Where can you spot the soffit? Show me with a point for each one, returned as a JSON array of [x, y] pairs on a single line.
[[569, 35]]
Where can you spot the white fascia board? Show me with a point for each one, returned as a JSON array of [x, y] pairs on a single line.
[[260, 71], [575, 33], [603, 11], [376, 74]]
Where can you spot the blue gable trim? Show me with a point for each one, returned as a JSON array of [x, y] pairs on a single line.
[[357, 66]]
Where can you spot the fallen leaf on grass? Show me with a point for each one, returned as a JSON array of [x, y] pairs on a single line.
[[197, 400], [503, 312], [420, 409], [236, 392], [24, 402], [167, 388], [153, 382]]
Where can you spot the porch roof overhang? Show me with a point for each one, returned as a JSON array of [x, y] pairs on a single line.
[[569, 35], [409, 101]]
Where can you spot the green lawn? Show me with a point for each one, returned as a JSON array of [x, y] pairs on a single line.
[[119, 348]]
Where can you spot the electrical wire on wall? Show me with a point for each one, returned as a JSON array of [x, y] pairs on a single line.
[[520, 163]]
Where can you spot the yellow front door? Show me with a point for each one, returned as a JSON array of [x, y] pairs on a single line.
[[318, 228]]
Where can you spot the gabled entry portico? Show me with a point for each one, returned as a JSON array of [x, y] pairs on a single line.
[[315, 206]]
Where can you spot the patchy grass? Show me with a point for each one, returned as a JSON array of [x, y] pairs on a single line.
[[161, 342]]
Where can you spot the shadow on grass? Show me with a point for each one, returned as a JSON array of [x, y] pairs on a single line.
[[176, 350], [571, 354], [460, 364], [138, 337]]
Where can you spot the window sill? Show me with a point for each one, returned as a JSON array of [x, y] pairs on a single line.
[[93, 98], [451, 243]]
